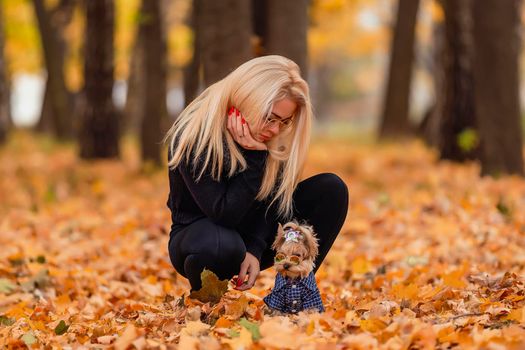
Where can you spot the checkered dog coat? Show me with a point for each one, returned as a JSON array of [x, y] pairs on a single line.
[[294, 295]]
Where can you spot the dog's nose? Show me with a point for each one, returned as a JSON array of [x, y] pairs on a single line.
[[286, 266]]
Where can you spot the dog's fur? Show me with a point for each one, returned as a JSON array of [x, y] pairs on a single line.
[[307, 248]]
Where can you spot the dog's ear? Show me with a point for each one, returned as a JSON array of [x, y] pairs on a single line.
[[310, 241], [279, 238]]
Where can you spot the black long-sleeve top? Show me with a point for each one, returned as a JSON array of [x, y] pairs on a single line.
[[225, 202]]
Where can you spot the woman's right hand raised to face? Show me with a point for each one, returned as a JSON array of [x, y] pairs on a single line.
[[240, 131]]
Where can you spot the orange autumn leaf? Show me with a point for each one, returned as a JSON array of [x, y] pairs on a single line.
[[224, 322], [212, 288], [402, 291], [372, 325], [455, 279], [236, 308], [361, 266]]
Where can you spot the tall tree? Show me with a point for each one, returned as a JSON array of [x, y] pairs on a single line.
[[99, 133], [154, 106], [130, 121], [5, 117], [225, 29], [56, 115], [395, 118], [453, 117], [285, 34], [192, 70], [496, 78]]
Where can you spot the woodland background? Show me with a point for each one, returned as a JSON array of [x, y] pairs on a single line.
[[418, 108]]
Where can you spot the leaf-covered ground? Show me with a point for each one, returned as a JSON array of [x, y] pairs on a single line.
[[431, 256]]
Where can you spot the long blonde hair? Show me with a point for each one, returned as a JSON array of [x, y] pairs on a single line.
[[200, 130]]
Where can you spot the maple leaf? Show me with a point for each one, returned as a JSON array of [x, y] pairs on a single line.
[[212, 288]]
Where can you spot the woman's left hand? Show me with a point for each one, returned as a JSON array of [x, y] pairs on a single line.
[[240, 131], [250, 266]]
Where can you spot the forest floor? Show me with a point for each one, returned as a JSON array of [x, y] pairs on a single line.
[[430, 256]]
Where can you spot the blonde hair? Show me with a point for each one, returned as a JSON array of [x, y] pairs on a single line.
[[200, 130]]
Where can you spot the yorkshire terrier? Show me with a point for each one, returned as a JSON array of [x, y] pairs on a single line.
[[295, 287]]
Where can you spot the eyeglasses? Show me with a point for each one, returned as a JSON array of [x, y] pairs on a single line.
[[284, 123], [294, 259]]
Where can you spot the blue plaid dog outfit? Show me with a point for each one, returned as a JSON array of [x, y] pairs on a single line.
[[294, 295]]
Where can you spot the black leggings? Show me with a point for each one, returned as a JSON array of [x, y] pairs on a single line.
[[321, 201]]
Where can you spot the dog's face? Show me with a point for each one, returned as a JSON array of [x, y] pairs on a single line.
[[295, 250]]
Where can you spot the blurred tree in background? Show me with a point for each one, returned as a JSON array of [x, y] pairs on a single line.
[[395, 120], [153, 112], [496, 78], [225, 29], [5, 115], [284, 34], [57, 107], [166, 52], [99, 133], [451, 125]]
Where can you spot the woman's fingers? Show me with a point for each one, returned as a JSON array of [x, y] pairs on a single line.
[[242, 275], [253, 272], [240, 131], [238, 124]]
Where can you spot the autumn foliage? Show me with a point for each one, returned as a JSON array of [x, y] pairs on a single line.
[[431, 256]]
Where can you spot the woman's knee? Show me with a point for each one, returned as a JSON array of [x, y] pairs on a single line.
[[227, 248], [331, 187]]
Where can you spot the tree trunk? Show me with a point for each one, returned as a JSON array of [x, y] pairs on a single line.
[[99, 134], [496, 78], [59, 106], [135, 94], [395, 119], [454, 108], [225, 30], [286, 27], [154, 106], [192, 70], [5, 118]]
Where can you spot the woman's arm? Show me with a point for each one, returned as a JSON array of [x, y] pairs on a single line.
[[227, 201]]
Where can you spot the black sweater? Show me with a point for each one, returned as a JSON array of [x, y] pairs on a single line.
[[225, 202]]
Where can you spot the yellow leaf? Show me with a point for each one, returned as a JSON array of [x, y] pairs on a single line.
[[409, 292], [151, 279], [236, 308], [372, 325], [454, 279], [517, 315], [212, 289], [361, 266], [310, 328]]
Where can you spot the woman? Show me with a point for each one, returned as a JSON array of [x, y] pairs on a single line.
[[235, 155]]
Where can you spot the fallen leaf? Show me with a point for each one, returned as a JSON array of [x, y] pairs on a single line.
[[253, 328], [236, 308], [129, 335], [241, 342], [6, 286], [212, 288]]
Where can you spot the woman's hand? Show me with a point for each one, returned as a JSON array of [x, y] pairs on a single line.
[[240, 131], [250, 267]]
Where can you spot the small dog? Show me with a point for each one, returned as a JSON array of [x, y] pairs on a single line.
[[295, 287]]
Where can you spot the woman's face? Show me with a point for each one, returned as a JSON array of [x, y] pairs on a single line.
[[282, 112]]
